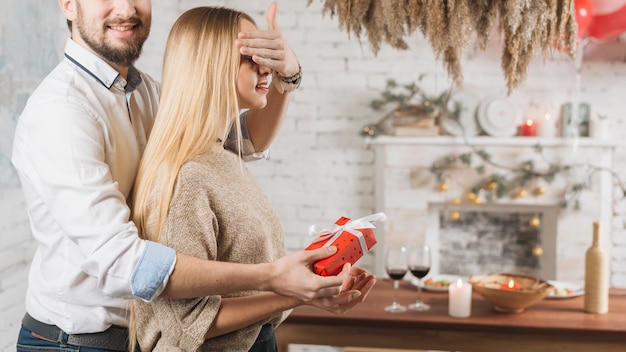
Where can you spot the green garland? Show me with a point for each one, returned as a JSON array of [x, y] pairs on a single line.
[[497, 185], [408, 98]]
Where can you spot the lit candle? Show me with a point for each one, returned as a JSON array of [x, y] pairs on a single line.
[[547, 127], [459, 299], [511, 286], [529, 129]]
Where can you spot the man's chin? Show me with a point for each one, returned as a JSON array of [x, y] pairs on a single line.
[[122, 54]]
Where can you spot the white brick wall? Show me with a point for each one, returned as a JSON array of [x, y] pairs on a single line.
[[32, 36], [319, 168]]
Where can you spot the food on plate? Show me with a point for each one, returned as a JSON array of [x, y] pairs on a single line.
[[430, 282], [560, 291], [565, 290]]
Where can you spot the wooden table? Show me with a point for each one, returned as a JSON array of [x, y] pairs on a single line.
[[550, 325]]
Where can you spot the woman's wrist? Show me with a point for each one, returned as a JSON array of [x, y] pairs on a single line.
[[287, 84]]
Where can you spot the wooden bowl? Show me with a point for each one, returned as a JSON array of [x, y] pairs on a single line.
[[495, 289]]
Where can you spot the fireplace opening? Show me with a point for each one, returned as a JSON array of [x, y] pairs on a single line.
[[494, 239], [486, 242]]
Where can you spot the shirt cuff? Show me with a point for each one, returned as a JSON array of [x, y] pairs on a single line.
[[152, 271]]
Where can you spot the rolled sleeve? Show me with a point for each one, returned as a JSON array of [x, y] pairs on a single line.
[[152, 271]]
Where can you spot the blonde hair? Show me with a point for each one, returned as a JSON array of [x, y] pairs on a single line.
[[198, 105], [197, 108]]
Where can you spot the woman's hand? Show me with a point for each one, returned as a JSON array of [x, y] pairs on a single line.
[[354, 290], [359, 279]]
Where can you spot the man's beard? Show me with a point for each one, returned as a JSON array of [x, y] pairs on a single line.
[[124, 56], [118, 56]]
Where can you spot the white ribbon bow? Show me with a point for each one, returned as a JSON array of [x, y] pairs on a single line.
[[351, 226]]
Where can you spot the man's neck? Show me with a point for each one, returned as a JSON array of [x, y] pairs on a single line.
[[123, 70]]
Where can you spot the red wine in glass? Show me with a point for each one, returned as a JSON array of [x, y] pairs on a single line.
[[420, 271], [396, 267], [396, 274], [419, 265]]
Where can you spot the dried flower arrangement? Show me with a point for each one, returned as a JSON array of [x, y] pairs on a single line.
[[450, 26]]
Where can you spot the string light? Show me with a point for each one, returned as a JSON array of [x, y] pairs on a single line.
[[519, 181]]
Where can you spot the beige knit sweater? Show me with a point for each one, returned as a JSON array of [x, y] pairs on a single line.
[[218, 212]]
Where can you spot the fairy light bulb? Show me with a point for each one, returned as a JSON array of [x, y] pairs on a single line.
[[539, 191], [534, 222]]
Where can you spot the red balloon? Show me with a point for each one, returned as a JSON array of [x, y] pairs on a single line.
[[583, 16], [604, 7], [609, 24]]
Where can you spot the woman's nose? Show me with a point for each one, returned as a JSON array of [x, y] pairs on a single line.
[[264, 70]]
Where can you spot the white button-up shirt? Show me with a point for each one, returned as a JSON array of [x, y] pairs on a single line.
[[76, 150]]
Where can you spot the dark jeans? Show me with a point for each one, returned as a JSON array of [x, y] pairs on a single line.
[[27, 342], [266, 341]]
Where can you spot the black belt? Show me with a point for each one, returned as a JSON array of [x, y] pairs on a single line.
[[114, 338]]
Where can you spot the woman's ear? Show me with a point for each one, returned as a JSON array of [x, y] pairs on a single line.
[[68, 7]]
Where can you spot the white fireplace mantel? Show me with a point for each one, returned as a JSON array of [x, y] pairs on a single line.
[[482, 141], [405, 189]]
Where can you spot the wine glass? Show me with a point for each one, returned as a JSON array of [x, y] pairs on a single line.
[[419, 266], [396, 267]]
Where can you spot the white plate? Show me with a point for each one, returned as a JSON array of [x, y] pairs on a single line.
[[498, 116], [560, 288], [435, 278], [466, 124]]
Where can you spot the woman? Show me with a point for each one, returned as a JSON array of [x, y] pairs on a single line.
[[200, 199]]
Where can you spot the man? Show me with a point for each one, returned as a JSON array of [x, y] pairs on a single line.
[[77, 148]]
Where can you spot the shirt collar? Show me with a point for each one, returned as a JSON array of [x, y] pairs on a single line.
[[99, 69]]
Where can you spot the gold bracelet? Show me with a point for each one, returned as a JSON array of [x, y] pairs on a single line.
[[288, 84]]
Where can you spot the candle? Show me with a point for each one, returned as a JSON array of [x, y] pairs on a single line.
[[529, 129], [547, 127], [459, 299], [511, 286]]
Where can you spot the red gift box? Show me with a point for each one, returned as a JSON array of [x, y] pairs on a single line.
[[352, 239]]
